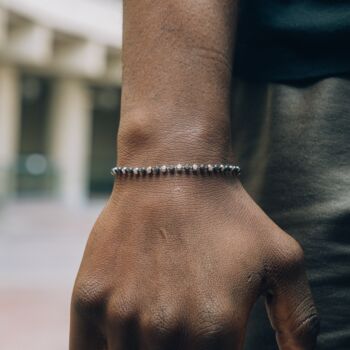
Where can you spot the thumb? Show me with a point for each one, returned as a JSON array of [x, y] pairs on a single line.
[[290, 305]]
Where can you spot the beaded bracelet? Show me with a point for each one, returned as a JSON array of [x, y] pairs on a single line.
[[195, 169]]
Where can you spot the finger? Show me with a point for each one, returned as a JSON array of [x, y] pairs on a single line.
[[290, 305], [123, 334], [85, 336], [85, 331]]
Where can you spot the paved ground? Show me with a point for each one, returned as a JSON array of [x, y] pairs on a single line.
[[41, 244]]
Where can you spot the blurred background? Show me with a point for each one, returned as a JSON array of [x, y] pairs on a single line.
[[60, 76]]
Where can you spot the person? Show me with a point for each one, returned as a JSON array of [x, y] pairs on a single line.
[[178, 260]]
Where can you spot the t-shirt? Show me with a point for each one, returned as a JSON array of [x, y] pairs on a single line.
[[279, 40]]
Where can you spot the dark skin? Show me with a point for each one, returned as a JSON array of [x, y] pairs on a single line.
[[177, 262]]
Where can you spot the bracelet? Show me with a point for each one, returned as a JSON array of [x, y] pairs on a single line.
[[195, 169]]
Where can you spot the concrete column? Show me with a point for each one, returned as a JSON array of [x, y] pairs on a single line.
[[29, 42], [70, 138], [3, 28], [9, 128]]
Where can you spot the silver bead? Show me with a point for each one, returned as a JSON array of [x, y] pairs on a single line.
[[163, 169], [179, 168], [194, 167], [136, 171], [149, 170], [210, 168], [124, 170]]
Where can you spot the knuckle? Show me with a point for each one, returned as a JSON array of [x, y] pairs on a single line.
[[214, 322], [159, 322], [121, 310], [88, 296], [215, 333], [308, 327], [291, 252], [304, 321], [296, 252], [211, 331]]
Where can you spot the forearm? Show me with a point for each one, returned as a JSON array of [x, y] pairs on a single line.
[[177, 68]]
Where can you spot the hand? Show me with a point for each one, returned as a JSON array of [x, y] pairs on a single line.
[[178, 264]]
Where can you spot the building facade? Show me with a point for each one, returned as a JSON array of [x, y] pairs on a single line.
[[60, 78]]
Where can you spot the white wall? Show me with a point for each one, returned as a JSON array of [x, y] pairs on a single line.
[[99, 20]]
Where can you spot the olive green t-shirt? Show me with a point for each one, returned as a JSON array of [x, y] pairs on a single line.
[[286, 40]]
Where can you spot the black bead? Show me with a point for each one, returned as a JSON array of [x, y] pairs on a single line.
[[216, 168], [171, 169], [187, 169], [179, 169], [236, 170], [156, 170], [202, 168], [143, 171]]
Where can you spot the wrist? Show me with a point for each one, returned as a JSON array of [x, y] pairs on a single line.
[[149, 138]]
